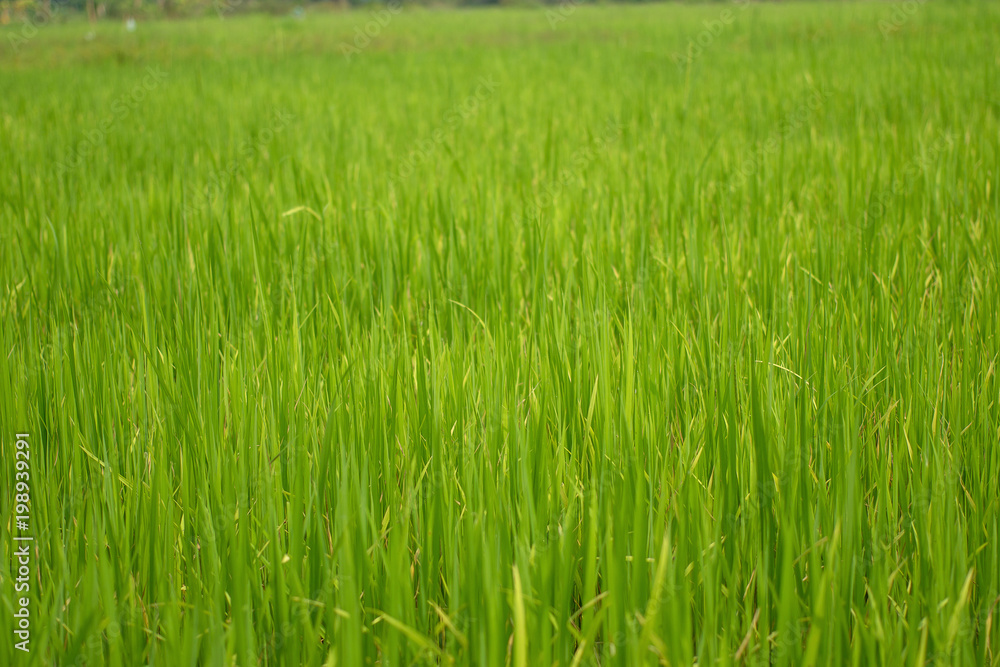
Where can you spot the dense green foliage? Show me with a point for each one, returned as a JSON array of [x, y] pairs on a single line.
[[42, 11], [506, 339]]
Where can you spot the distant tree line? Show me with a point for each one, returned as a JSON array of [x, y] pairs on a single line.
[[41, 11]]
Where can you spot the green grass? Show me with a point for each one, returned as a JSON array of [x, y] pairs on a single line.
[[331, 362]]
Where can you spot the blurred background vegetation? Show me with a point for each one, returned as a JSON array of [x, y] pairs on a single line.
[[39, 12]]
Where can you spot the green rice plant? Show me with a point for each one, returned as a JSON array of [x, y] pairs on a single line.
[[621, 359]]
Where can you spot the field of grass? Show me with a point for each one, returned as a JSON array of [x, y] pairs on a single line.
[[505, 339]]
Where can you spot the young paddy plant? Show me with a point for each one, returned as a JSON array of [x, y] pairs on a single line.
[[556, 397]]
